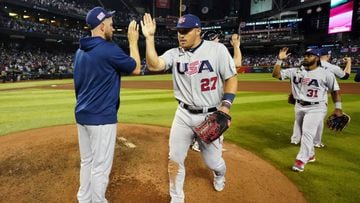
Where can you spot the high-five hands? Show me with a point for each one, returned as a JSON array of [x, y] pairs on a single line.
[[148, 25], [283, 53]]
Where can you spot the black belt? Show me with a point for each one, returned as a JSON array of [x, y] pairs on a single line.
[[305, 103], [197, 111]]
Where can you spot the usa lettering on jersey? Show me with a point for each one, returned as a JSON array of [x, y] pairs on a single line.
[[194, 67], [306, 81]]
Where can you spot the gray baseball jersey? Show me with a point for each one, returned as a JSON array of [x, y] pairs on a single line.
[[336, 70], [198, 74], [310, 86]]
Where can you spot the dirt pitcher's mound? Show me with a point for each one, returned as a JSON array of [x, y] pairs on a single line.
[[42, 165]]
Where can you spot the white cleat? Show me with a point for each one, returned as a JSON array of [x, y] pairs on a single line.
[[196, 147], [294, 142], [219, 183], [319, 145]]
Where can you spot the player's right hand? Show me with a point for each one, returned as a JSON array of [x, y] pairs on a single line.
[[148, 25], [235, 40], [283, 53]]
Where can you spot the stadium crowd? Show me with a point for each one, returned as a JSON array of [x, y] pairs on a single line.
[[41, 28], [17, 64], [294, 60], [76, 7], [81, 7]]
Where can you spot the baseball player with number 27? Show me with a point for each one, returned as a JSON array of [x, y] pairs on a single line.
[[309, 84], [204, 80]]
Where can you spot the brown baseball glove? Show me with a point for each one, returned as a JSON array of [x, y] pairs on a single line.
[[213, 127]]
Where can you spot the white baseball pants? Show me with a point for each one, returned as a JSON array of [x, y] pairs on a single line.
[[181, 137], [308, 119], [97, 144]]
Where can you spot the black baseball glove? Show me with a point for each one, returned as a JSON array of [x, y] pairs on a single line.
[[338, 123], [213, 127]]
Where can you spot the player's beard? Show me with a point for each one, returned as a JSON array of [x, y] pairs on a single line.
[[108, 36], [306, 63]]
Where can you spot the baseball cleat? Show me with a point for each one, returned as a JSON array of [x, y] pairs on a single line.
[[312, 159], [319, 145], [298, 166], [294, 142], [219, 183], [196, 147]]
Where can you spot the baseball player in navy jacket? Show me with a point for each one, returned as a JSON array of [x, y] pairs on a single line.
[[99, 64]]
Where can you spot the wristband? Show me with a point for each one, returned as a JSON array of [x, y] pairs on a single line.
[[226, 104], [338, 105], [279, 62], [229, 97]]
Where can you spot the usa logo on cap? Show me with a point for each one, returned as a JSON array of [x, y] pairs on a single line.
[[181, 20], [100, 16]]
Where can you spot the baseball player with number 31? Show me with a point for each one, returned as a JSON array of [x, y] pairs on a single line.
[[204, 80], [310, 84]]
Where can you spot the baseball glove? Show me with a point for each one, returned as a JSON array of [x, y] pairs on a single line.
[[213, 127], [291, 99], [338, 123]]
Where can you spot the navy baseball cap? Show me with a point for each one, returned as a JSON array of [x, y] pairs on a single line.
[[316, 52], [97, 15], [325, 51], [188, 21]]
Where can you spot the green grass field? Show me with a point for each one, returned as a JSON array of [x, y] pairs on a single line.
[[262, 123]]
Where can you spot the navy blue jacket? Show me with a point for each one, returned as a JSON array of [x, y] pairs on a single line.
[[98, 66]]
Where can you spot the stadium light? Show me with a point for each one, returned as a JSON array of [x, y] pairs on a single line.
[[12, 14], [318, 9]]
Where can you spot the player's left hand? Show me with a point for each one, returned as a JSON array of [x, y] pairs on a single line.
[[338, 122], [213, 127], [347, 59], [235, 40], [133, 32], [337, 112]]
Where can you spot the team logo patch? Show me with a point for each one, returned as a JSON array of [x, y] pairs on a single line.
[[193, 68], [306, 81], [181, 20], [100, 16]]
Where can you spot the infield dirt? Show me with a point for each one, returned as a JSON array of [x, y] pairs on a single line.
[[42, 165]]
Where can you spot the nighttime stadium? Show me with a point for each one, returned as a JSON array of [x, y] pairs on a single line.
[[179, 101]]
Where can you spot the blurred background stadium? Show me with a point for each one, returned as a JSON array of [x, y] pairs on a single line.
[[39, 37]]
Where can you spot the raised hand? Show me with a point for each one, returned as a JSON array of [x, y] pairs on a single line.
[[148, 25], [133, 32], [283, 53], [235, 40], [347, 59]]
